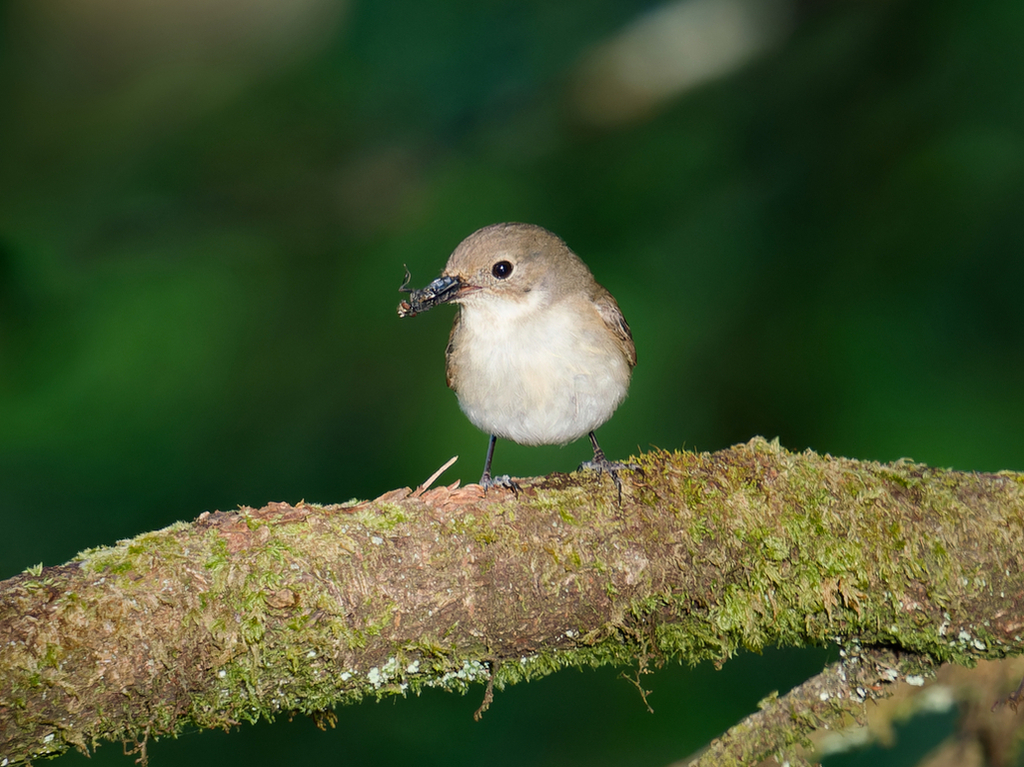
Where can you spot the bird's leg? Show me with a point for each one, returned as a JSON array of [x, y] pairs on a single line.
[[503, 481], [602, 464], [485, 479]]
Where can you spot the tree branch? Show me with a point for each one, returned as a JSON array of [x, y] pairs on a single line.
[[834, 699], [247, 614]]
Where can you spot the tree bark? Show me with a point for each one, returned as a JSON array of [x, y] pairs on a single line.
[[246, 614]]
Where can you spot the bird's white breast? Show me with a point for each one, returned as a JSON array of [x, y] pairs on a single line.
[[537, 373]]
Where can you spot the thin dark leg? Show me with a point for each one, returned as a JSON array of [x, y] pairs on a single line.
[[504, 480], [598, 452], [485, 480]]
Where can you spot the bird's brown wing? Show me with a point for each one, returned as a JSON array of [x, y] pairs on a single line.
[[449, 374], [612, 316]]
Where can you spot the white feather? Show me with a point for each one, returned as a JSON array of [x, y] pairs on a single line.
[[537, 373]]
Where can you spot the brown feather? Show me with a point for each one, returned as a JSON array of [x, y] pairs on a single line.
[[612, 316], [449, 376]]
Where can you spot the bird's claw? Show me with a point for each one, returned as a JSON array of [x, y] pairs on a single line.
[[611, 468], [503, 481]]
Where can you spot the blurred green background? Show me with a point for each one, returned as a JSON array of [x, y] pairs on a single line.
[[810, 212]]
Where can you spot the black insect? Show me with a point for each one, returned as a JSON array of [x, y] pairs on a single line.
[[440, 291]]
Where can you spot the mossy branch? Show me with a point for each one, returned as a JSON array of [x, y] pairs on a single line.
[[252, 613]]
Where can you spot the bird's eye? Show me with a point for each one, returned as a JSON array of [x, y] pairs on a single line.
[[501, 270]]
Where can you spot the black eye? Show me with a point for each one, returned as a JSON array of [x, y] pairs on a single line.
[[501, 270]]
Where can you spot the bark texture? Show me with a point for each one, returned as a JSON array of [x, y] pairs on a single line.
[[251, 613]]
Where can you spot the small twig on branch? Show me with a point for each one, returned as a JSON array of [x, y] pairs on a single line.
[[488, 693], [634, 679]]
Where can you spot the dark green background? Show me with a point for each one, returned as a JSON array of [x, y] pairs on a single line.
[[202, 232]]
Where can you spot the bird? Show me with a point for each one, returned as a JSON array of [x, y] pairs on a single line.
[[539, 352]]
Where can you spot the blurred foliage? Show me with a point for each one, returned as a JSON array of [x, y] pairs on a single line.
[[205, 209]]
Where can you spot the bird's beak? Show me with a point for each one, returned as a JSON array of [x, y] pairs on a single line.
[[441, 291]]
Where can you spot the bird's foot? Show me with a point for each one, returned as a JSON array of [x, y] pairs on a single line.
[[503, 481], [602, 465]]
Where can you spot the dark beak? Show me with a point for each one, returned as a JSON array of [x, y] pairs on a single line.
[[440, 291]]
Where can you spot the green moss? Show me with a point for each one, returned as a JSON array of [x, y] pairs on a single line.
[[217, 554], [120, 568], [382, 517]]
